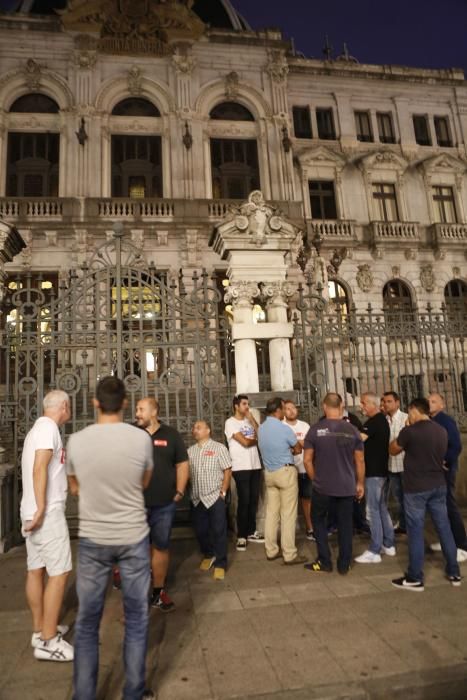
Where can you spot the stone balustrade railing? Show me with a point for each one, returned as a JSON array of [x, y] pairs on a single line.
[[333, 230], [446, 233], [24, 210], [397, 231]]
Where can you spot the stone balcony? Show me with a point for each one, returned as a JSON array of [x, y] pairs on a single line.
[[333, 232], [448, 236], [402, 235], [26, 211]]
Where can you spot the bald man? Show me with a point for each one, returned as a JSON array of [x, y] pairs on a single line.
[[166, 489], [451, 465]]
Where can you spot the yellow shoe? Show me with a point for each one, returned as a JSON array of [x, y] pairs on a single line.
[[207, 563], [219, 574]]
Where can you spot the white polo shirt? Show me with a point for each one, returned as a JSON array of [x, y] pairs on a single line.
[[44, 435]]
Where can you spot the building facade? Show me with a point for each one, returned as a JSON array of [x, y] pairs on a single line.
[[132, 136]]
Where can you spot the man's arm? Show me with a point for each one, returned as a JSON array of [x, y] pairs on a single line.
[[454, 442], [308, 462], [359, 473], [226, 480], [296, 449], [246, 442], [183, 475], [73, 485], [147, 476], [395, 448], [39, 479]]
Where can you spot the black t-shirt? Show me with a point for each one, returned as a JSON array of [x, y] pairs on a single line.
[[425, 444], [377, 445], [169, 450]]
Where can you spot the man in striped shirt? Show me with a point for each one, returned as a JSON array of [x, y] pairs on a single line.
[[210, 474]]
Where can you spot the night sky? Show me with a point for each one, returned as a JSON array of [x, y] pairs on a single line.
[[424, 33]]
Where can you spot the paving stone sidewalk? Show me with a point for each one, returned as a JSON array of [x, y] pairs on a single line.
[[268, 632]]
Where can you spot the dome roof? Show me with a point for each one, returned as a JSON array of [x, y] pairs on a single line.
[[217, 13]]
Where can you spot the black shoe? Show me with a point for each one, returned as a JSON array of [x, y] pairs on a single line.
[[148, 695], [276, 556], [343, 570], [317, 566], [400, 531], [408, 584], [454, 580], [162, 602]]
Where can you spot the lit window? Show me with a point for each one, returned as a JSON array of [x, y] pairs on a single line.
[[338, 297], [384, 197]]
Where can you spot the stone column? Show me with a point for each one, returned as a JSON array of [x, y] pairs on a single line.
[[241, 295], [279, 348]]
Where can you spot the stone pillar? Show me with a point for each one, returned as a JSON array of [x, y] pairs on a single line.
[[241, 295], [279, 348]]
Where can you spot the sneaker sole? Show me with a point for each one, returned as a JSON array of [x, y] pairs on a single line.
[[52, 658], [413, 589]]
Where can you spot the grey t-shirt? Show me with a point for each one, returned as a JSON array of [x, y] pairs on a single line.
[[109, 460]]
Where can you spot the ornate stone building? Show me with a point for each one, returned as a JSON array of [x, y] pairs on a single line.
[[132, 135]]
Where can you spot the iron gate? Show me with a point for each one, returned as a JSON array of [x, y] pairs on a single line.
[[116, 315], [337, 348]]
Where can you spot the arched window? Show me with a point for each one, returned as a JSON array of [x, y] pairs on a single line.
[[136, 166], [231, 111], [455, 297], [397, 297], [338, 297], [35, 102], [135, 107]]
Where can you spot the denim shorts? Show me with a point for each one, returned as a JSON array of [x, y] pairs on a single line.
[[305, 485], [160, 521]]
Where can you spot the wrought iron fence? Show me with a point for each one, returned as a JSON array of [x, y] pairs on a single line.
[[352, 351]]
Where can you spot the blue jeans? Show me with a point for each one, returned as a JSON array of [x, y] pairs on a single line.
[[416, 506], [395, 483], [381, 527], [211, 530], [160, 521], [95, 563]]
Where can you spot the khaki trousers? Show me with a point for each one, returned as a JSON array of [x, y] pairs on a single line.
[[281, 507]]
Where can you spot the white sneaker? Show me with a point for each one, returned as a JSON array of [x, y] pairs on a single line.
[[389, 551], [241, 544], [36, 636], [461, 556], [368, 558], [55, 649], [256, 537], [435, 547]]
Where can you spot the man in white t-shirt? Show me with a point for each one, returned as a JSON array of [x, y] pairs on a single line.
[[240, 431], [45, 527], [300, 428]]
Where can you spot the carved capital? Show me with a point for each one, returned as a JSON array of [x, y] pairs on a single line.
[[232, 86], [241, 293], [183, 62], [278, 293], [277, 66]]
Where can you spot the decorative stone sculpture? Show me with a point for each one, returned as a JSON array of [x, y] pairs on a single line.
[[365, 278], [427, 278], [257, 218]]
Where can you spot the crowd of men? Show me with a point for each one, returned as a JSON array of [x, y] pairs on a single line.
[[129, 479]]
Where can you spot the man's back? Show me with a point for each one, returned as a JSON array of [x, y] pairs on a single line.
[[334, 442], [425, 444], [108, 461]]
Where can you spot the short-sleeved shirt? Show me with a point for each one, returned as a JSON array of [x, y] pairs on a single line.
[[300, 429], [208, 462], [44, 435], [396, 423], [377, 445], [243, 458], [425, 444], [275, 440], [109, 461], [169, 450], [334, 443]]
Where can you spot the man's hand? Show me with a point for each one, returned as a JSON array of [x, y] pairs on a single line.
[[36, 521], [177, 498], [359, 492]]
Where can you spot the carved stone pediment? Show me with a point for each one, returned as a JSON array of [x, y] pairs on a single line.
[[133, 26], [253, 225], [382, 160], [443, 163], [322, 156]]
